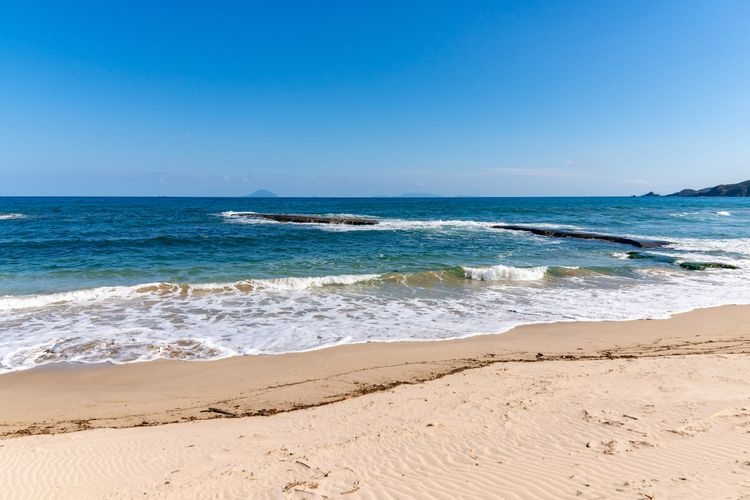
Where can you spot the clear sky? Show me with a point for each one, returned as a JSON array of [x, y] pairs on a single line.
[[373, 98]]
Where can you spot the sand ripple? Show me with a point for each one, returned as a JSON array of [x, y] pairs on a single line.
[[645, 428]]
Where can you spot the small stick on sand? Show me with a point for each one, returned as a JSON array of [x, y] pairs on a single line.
[[213, 409]]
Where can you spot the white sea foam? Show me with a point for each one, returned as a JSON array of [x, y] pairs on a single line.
[[740, 246], [505, 273], [11, 216], [241, 216], [268, 316], [123, 324], [684, 214], [232, 213], [550, 225], [11, 302], [701, 215], [388, 224], [141, 326], [96, 295], [705, 255], [82, 350], [413, 225], [304, 283]]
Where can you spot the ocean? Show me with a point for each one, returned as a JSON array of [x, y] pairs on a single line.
[[136, 279]]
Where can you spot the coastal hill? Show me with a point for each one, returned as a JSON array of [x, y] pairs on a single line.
[[741, 189], [262, 193]]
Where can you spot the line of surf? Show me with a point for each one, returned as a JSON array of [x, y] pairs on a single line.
[[284, 284]]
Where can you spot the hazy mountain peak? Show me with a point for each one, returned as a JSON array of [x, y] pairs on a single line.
[[262, 193]]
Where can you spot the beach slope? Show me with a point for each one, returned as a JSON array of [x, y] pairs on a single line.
[[641, 409]]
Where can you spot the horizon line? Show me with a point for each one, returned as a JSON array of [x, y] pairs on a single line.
[[315, 196]]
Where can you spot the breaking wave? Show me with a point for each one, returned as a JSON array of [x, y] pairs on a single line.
[[505, 273], [11, 216], [270, 316], [91, 295], [454, 275]]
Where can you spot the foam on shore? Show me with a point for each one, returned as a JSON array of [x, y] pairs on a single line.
[[208, 321]]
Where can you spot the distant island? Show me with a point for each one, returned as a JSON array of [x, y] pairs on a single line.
[[262, 193], [741, 189], [420, 195]]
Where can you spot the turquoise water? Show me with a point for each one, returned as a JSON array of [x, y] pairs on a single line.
[[127, 279]]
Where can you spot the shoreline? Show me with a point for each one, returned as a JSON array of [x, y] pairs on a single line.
[[74, 365], [59, 398]]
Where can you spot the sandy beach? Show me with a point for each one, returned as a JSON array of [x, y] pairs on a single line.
[[423, 250], [641, 409]]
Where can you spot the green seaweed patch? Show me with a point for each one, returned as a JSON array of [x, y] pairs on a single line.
[[702, 266]]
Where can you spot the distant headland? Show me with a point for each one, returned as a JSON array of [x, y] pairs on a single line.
[[741, 189]]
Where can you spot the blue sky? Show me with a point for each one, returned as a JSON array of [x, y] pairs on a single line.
[[373, 98]]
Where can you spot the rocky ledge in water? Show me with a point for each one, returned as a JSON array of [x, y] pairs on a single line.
[[559, 233], [702, 266], [311, 219], [690, 266]]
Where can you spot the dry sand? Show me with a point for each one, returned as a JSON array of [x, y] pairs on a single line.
[[644, 409]]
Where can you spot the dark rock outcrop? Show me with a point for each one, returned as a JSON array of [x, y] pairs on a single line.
[[741, 189], [311, 219], [649, 256], [690, 266], [702, 266], [559, 233], [650, 194]]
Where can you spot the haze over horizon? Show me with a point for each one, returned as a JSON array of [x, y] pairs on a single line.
[[342, 99]]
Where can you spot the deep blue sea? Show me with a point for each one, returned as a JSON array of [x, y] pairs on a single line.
[[133, 279]]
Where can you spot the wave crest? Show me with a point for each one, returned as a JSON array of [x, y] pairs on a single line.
[[185, 291], [505, 273], [11, 216], [11, 302], [291, 284]]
